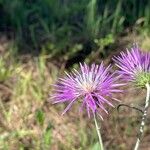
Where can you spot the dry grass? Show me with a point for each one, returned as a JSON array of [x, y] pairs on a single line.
[[29, 121]]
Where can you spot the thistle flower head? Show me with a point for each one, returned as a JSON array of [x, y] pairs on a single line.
[[91, 85], [134, 66]]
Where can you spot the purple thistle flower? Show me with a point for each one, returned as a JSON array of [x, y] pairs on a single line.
[[92, 86], [134, 66]]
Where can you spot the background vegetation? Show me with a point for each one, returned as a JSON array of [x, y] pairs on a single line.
[[39, 39]]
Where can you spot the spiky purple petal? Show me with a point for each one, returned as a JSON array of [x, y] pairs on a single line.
[[93, 86], [134, 65]]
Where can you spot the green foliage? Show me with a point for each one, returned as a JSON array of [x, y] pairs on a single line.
[[96, 146], [54, 51], [5, 71], [40, 116], [8, 66], [93, 20], [56, 26], [101, 45], [103, 42], [47, 137]]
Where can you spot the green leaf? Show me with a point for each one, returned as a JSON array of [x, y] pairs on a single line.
[[40, 116], [96, 146], [47, 137]]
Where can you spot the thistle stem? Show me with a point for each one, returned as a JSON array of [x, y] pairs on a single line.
[[143, 120], [98, 132]]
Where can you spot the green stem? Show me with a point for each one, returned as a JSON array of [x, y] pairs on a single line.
[[147, 103], [98, 132]]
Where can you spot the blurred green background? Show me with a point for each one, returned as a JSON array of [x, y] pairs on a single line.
[[39, 40]]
